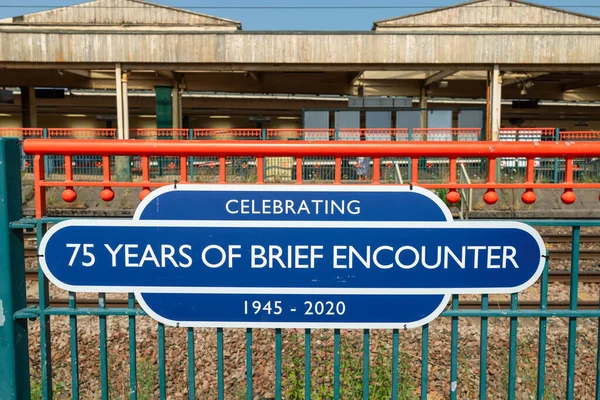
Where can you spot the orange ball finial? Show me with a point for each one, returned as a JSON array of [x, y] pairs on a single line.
[[107, 194], [69, 195], [145, 192], [568, 197], [528, 197], [452, 196], [490, 197]]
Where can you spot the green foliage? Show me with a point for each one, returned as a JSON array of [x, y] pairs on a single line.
[[351, 375]]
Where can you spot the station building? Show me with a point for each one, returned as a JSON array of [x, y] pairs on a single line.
[[485, 69]]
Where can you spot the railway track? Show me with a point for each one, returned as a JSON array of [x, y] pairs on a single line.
[[555, 254], [553, 276], [463, 304]]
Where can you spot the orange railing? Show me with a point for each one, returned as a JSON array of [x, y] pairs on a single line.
[[152, 133], [221, 150], [227, 133], [525, 134], [81, 133], [580, 135], [21, 132], [373, 134], [447, 134], [306, 133]]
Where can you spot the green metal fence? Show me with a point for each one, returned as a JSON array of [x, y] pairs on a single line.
[[15, 316]]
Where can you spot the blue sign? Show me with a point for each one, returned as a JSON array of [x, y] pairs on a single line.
[[292, 256]]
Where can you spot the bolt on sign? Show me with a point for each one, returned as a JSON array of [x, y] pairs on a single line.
[[292, 256]]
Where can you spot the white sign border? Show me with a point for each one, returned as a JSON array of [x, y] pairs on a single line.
[[292, 225]]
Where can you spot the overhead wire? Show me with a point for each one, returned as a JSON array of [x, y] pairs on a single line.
[[289, 7]]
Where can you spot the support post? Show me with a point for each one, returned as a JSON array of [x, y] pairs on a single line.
[[28, 107], [122, 167], [124, 93], [14, 358], [119, 87], [496, 105], [423, 107]]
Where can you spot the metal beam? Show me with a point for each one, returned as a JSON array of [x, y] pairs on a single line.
[[438, 77], [166, 74], [79, 72], [255, 75], [580, 84], [354, 76]]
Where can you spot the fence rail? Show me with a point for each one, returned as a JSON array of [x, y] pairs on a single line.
[[14, 357], [202, 169], [436, 134], [249, 160]]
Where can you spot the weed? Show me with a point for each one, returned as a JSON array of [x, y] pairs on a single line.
[[59, 389], [147, 378]]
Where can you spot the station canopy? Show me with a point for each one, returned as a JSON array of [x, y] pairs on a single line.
[[447, 52]]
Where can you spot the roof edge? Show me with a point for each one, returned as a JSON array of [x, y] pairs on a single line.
[[556, 9], [237, 24], [233, 22]]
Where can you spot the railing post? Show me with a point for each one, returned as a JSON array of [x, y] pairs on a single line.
[[556, 139], [410, 136], [191, 158], [14, 358], [46, 158]]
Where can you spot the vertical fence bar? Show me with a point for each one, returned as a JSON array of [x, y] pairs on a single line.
[[249, 363], [46, 158], [260, 170], [336, 364], [452, 178], [39, 175], [395, 350], [299, 170], [103, 349], [307, 364], [68, 168], [454, 351], [530, 172], [556, 139], [278, 363], [573, 307], [483, 345], [183, 174], [14, 357], [512, 353], [414, 171], [45, 343], [161, 362], [338, 170], [366, 355], [132, 350], [569, 170], [220, 380], [191, 158], [222, 170], [191, 365], [376, 170], [74, 351], [541, 380], [424, 361], [410, 160], [598, 362]]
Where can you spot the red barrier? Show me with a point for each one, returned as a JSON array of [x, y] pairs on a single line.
[[337, 150]]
